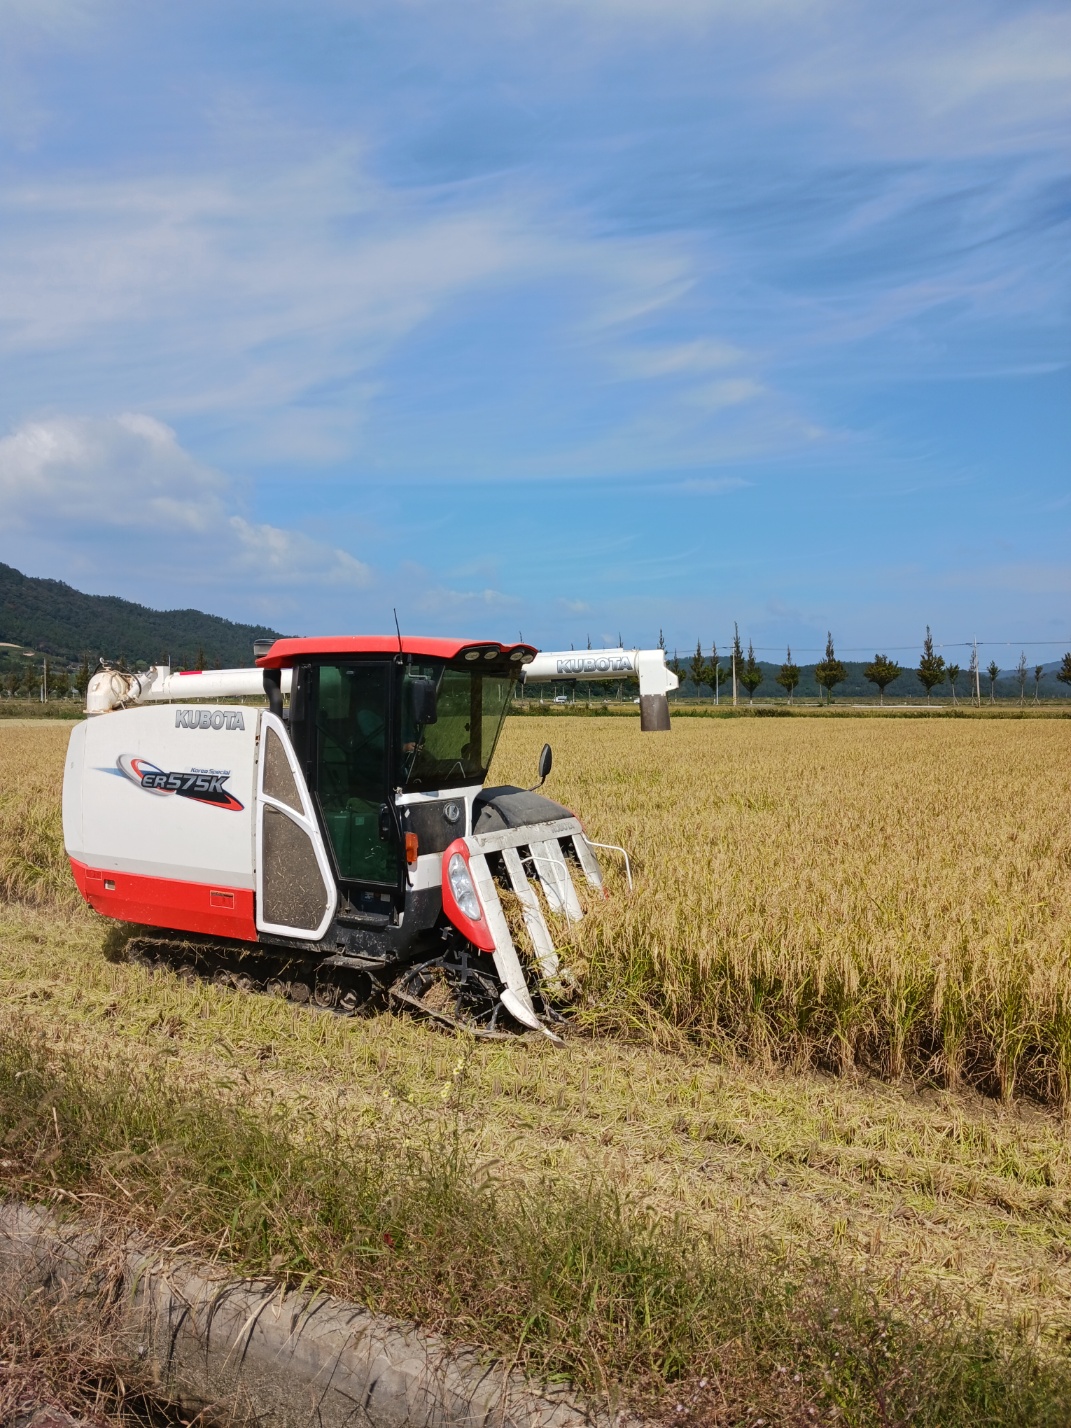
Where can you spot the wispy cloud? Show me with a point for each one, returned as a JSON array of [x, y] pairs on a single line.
[[440, 600], [341, 256], [709, 485], [128, 484], [701, 355]]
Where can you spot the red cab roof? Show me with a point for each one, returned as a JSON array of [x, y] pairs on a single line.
[[285, 653]]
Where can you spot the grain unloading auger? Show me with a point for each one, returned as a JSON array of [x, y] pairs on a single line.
[[339, 846]]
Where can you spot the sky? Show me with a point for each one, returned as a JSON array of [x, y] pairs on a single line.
[[568, 318]]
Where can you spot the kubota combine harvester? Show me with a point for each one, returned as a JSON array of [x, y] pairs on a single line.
[[339, 845]]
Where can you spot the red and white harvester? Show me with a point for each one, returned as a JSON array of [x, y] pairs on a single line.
[[338, 845]]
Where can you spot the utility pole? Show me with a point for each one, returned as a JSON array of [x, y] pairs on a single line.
[[977, 684], [734, 676], [44, 682]]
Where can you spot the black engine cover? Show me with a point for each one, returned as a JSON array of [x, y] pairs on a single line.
[[509, 807]]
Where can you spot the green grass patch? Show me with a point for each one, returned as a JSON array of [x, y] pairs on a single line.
[[844, 708], [70, 709], [570, 1278]]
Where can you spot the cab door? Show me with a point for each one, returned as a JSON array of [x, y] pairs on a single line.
[[296, 892], [350, 764]]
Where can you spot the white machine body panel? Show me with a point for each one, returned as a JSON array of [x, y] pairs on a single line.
[[164, 791]]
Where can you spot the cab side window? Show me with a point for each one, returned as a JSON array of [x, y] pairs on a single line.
[[350, 707]]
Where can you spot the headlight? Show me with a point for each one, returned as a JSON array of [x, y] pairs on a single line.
[[461, 886]]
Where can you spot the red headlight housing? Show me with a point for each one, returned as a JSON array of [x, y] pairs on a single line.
[[461, 901]]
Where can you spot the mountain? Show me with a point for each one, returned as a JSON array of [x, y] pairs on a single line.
[[51, 618]]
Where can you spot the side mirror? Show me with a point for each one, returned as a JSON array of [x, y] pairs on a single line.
[[423, 700], [546, 759]]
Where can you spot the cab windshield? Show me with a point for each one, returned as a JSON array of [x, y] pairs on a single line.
[[457, 748]]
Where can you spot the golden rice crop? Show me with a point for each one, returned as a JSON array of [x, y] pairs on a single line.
[[889, 894], [892, 894], [33, 867]]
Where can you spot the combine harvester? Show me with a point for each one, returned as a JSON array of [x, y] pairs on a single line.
[[338, 846]]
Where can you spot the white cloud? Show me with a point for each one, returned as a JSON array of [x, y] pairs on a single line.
[[439, 599], [733, 392], [265, 303], [710, 485], [276, 285], [1021, 578], [302, 276], [702, 355], [125, 484]]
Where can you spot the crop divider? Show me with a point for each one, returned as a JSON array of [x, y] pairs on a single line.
[[543, 845]]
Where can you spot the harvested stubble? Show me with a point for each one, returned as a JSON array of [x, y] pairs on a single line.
[[565, 1277], [892, 895]]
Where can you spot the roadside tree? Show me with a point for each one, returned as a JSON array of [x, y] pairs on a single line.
[[715, 672], [1039, 675], [830, 672], [737, 659], [788, 676], [953, 672], [882, 671], [1063, 674], [698, 669], [931, 670], [1020, 675], [994, 674], [752, 675]]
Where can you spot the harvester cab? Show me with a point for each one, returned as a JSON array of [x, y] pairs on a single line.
[[340, 845]]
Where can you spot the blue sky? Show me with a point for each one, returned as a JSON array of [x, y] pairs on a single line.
[[580, 319]]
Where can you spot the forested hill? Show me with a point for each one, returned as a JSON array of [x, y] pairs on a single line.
[[52, 618]]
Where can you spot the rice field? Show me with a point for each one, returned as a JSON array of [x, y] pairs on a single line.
[[891, 896], [790, 876]]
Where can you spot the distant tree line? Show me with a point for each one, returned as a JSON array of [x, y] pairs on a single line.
[[932, 672], [24, 675]]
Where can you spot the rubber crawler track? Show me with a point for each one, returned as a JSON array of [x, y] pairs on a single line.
[[448, 990]]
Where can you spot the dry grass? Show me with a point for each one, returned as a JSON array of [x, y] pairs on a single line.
[[569, 1276], [60, 1355]]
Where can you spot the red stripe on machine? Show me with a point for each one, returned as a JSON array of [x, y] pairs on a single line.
[[167, 902]]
